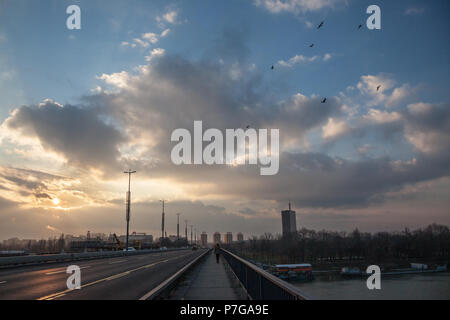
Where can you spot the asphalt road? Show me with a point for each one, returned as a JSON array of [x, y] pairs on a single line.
[[124, 278]]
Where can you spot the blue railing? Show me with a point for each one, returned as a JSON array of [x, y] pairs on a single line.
[[259, 284]]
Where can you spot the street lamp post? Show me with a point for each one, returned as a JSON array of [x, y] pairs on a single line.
[[128, 204], [162, 220], [178, 226]]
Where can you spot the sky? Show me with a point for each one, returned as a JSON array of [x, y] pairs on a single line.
[[79, 107]]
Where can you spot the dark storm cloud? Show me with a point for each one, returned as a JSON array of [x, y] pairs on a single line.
[[314, 180], [427, 127], [42, 196], [28, 179], [74, 132], [176, 92], [22, 182], [28, 182], [317, 180]]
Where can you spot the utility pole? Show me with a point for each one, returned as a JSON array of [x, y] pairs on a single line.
[[128, 204], [185, 230], [178, 226], [191, 233], [162, 221]]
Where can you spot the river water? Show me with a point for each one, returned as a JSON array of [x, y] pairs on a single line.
[[399, 287]]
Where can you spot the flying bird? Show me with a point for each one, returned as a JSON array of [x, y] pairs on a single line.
[[320, 25], [247, 127], [273, 67], [324, 100], [378, 88], [311, 45], [360, 26]]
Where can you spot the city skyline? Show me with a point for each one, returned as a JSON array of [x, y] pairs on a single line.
[[363, 115]]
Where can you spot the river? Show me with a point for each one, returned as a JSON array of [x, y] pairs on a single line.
[[400, 287]]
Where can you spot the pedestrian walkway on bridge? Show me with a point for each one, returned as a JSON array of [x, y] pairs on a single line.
[[209, 280]]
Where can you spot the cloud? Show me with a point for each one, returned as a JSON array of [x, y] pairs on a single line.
[[382, 117], [164, 33], [381, 90], [118, 79], [170, 17], [157, 52], [141, 42], [172, 92], [151, 37], [414, 11], [36, 189], [428, 128], [327, 57], [369, 84], [295, 6], [399, 95], [309, 24], [76, 133], [334, 128], [145, 40], [296, 60]]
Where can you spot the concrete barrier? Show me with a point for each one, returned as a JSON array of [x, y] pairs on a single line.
[[24, 260]]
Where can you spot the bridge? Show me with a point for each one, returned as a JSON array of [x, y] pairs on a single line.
[[144, 275]]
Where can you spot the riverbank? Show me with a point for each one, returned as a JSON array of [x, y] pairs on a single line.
[[335, 266]]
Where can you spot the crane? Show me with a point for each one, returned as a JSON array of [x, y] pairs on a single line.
[[119, 244]]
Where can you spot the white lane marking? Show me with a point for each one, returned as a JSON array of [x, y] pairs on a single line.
[[117, 276], [120, 261], [63, 271], [58, 294], [2, 282], [55, 297], [175, 275]]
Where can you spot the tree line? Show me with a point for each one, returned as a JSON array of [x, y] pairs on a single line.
[[430, 243]]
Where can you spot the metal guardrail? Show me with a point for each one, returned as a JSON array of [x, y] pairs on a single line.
[[23, 260], [259, 284]]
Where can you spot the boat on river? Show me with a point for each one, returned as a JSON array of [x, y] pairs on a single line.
[[298, 272], [346, 271], [415, 268]]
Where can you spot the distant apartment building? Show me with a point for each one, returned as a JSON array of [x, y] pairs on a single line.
[[204, 240], [216, 237], [288, 221], [240, 237], [229, 238]]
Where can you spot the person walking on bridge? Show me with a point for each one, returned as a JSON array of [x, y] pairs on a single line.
[[217, 252]]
